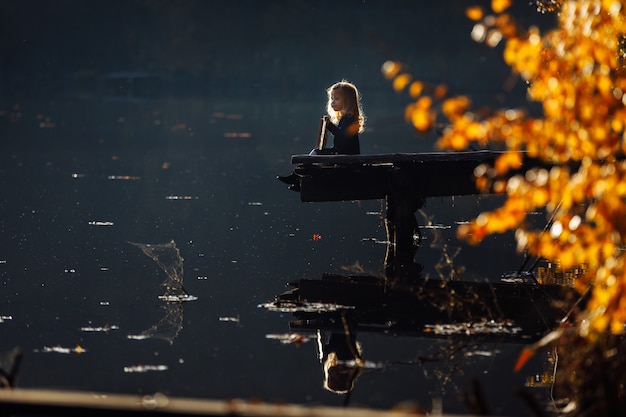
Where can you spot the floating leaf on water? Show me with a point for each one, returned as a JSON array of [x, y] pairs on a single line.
[[436, 226], [123, 177], [290, 338], [180, 197], [375, 240], [481, 353], [177, 298], [145, 368], [293, 307], [60, 349], [231, 319], [104, 328], [100, 223], [138, 336], [484, 327]]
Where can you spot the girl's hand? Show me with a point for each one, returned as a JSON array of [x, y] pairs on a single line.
[[326, 118]]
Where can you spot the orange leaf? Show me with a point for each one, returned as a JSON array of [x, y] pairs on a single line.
[[474, 13], [499, 6], [401, 81], [526, 354]]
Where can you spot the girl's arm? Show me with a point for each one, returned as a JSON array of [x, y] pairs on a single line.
[[347, 127]]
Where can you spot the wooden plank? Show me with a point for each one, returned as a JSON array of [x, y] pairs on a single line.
[[377, 176], [345, 182], [402, 158]]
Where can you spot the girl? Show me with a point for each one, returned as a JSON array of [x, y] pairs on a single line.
[[345, 119]]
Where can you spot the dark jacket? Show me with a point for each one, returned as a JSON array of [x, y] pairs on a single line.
[[346, 136]]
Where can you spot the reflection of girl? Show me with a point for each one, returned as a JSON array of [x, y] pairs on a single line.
[[342, 361], [345, 119]]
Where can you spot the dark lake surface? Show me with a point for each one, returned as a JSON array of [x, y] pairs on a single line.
[[91, 163]]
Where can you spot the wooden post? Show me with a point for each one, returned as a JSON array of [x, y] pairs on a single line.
[[322, 135], [402, 228]]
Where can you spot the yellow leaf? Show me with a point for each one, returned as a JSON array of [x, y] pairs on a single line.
[[416, 88], [508, 161], [475, 131], [390, 69], [453, 107], [422, 119], [474, 13], [401, 81], [499, 6]]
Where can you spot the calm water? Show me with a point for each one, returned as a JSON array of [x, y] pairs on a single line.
[[71, 279], [88, 167]]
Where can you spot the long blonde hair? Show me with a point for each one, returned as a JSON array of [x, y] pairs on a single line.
[[351, 103]]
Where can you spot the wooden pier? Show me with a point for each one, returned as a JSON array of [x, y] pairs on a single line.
[[403, 180]]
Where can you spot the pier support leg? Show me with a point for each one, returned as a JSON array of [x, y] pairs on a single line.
[[403, 232]]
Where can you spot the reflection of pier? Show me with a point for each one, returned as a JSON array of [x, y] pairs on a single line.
[[403, 180], [505, 312], [336, 308]]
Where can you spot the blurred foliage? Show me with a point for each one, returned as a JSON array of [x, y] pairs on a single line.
[[576, 71]]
